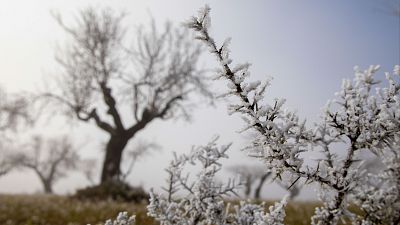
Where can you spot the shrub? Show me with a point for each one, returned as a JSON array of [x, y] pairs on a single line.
[[364, 121], [118, 190]]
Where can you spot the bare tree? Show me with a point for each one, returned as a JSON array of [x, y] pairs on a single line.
[[254, 178], [50, 159], [13, 112], [140, 150], [13, 109], [88, 168], [8, 157], [154, 78], [252, 175], [5, 164], [261, 181]]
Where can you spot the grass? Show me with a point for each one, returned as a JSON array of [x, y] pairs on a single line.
[[61, 210]]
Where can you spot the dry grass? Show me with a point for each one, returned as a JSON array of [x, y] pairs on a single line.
[[60, 210]]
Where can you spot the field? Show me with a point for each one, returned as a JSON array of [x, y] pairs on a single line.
[[60, 210]]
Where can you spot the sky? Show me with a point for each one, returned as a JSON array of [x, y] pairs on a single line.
[[308, 47]]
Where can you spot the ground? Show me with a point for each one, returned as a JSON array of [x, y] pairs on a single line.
[[61, 210]]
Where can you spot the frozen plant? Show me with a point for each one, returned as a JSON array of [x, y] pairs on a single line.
[[365, 122], [201, 201], [361, 120], [122, 219]]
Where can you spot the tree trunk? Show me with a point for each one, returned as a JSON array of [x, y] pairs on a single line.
[[46, 181], [112, 161], [47, 187], [248, 186], [257, 193]]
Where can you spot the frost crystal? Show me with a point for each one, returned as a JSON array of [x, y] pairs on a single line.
[[358, 118], [203, 199], [122, 219]]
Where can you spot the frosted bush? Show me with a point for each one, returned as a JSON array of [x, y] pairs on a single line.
[[364, 117], [203, 199], [122, 219], [362, 120]]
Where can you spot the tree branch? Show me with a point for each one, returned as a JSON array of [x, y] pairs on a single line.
[[168, 106], [100, 123], [111, 103]]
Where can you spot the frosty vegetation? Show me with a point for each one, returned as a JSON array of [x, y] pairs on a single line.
[[204, 201], [364, 118], [122, 219]]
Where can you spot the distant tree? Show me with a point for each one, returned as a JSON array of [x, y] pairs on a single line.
[[254, 177], [13, 112], [50, 159], [251, 175], [88, 168], [154, 78], [138, 151], [5, 164]]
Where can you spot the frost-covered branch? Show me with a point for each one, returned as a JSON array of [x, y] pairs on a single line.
[[202, 200], [122, 219], [360, 119], [280, 132]]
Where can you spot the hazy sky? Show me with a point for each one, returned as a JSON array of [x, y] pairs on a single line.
[[307, 46]]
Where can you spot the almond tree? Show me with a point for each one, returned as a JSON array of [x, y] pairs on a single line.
[[256, 176], [251, 175], [101, 78], [5, 163], [50, 159], [13, 109], [13, 112]]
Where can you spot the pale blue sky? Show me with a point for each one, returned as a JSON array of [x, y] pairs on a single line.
[[307, 46]]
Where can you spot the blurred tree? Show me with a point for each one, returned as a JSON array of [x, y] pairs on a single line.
[[132, 154], [154, 78], [138, 151], [13, 111], [5, 164], [88, 168], [255, 176], [250, 175], [50, 159]]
